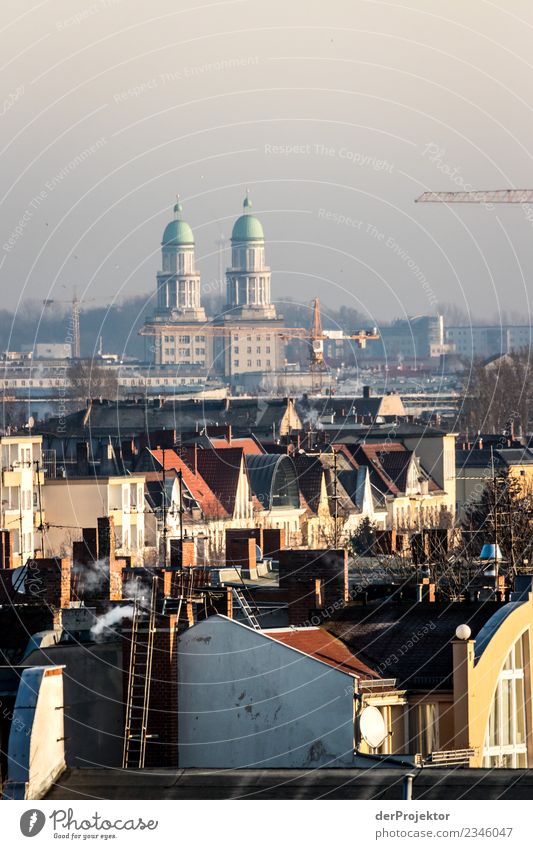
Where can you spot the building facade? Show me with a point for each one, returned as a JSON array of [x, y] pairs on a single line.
[[245, 338], [482, 341], [72, 504], [21, 491]]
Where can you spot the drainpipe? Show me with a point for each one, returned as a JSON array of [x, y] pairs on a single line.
[[407, 794]]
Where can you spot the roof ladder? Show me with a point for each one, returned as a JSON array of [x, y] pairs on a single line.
[[139, 681], [249, 615]]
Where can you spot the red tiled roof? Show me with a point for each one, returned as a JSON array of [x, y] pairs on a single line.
[[388, 463], [320, 644], [220, 468], [210, 505], [247, 443]]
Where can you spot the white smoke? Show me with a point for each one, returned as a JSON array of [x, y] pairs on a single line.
[[112, 617], [133, 589], [311, 417], [91, 577]]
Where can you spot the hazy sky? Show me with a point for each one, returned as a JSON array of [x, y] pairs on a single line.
[[336, 115]]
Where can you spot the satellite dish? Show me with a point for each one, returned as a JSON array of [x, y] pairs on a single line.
[[372, 727], [31, 423]]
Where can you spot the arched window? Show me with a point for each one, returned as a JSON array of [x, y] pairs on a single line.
[[505, 737]]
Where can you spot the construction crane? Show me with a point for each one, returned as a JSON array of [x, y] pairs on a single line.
[[316, 337], [488, 196], [75, 320]]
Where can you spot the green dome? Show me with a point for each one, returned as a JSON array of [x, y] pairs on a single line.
[[177, 232], [247, 228]]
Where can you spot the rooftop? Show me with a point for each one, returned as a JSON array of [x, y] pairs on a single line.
[[409, 642], [320, 644]]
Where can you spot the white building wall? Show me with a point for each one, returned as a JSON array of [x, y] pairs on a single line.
[[77, 503], [246, 700], [20, 494]]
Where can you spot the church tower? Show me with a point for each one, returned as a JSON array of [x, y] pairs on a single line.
[[178, 283], [248, 279]]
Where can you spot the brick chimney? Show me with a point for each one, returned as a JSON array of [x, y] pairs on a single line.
[[313, 580]]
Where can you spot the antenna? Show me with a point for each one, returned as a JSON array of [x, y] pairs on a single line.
[[221, 244], [75, 326]]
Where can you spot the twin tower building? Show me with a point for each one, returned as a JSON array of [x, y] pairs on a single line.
[[245, 338]]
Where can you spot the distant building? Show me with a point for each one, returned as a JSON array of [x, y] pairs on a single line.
[[420, 337], [476, 466], [245, 339], [52, 350], [483, 341], [343, 411]]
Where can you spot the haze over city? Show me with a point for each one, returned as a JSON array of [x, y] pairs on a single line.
[[266, 421], [335, 122]]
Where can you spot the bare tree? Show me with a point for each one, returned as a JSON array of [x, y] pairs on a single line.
[[503, 515], [87, 379], [498, 396], [14, 415]]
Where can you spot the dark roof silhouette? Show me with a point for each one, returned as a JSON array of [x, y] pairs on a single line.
[[409, 642]]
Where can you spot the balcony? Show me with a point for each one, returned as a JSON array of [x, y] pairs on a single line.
[[12, 477]]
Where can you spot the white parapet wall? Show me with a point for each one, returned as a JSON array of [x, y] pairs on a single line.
[[36, 752], [249, 701]]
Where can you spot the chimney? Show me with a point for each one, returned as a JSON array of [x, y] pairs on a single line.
[[366, 391], [82, 458]]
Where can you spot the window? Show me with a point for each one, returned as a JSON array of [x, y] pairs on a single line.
[[258, 349], [184, 339], [258, 362], [268, 363], [236, 349], [236, 363], [505, 736], [248, 350], [249, 363], [424, 731], [267, 349]]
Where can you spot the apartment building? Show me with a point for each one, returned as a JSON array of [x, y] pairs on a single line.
[[482, 341], [21, 490], [72, 504]]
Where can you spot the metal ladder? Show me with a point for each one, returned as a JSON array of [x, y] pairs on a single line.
[[249, 615], [139, 682]]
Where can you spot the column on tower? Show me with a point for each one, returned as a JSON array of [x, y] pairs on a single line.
[[178, 283], [248, 279]]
